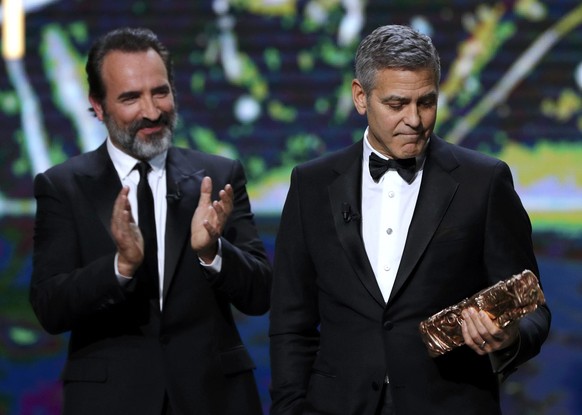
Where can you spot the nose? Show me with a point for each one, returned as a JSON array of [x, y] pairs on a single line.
[[149, 109], [412, 117]]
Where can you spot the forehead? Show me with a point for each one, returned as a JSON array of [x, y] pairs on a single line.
[[404, 82], [129, 70]]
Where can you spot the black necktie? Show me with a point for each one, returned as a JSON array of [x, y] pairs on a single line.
[[406, 168], [147, 225]]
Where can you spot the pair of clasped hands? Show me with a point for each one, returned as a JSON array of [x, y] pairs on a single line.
[[206, 227]]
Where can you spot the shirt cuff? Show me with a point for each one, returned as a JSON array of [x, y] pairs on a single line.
[[123, 280], [216, 265]]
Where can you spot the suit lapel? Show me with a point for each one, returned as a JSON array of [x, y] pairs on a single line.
[[435, 195], [100, 184], [183, 190], [345, 196]]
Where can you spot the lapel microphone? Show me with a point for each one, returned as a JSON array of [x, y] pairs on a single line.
[[175, 195], [347, 213]]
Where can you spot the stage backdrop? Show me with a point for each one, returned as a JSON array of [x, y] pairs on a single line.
[[268, 82]]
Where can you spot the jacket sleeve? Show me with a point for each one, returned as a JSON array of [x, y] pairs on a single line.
[[246, 273], [294, 318], [65, 292], [508, 250]]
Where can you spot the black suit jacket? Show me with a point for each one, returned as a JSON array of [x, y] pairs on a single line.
[[124, 354], [334, 339]]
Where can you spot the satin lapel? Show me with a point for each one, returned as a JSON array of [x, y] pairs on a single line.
[[100, 184], [345, 194], [183, 190], [435, 195]]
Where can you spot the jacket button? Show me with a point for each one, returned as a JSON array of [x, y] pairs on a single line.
[[388, 325]]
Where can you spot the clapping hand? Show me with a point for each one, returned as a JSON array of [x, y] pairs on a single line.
[[126, 234], [209, 219]]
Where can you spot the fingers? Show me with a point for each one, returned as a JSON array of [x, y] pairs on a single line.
[[205, 192], [213, 231], [223, 207], [480, 332], [121, 201], [210, 217], [227, 194], [121, 216], [227, 198]]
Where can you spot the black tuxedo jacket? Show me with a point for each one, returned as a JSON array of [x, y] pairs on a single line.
[[334, 339], [124, 354]]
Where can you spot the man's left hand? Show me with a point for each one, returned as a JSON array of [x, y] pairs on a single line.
[[482, 334], [209, 219]]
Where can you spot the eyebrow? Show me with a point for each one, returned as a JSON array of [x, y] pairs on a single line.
[[128, 95], [162, 89], [392, 98]]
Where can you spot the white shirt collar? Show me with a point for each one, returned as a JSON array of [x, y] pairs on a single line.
[[124, 163], [368, 147]]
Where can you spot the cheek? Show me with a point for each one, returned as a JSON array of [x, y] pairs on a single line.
[[429, 118], [385, 120], [389, 123], [126, 116], [166, 104]]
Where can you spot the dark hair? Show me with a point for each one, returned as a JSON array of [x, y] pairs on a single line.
[[394, 47], [131, 40]]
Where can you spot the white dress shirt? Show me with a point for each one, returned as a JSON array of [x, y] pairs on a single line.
[[387, 209], [124, 165]]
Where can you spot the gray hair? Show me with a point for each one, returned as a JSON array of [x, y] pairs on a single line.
[[394, 47]]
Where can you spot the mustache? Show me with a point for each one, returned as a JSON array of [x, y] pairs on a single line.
[[163, 120]]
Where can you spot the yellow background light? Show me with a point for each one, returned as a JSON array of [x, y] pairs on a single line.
[[12, 29]]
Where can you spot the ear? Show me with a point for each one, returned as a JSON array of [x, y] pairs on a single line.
[[97, 107], [359, 97]]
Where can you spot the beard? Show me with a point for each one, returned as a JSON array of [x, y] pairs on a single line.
[[150, 146]]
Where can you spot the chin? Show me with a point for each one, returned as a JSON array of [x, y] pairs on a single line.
[[411, 151]]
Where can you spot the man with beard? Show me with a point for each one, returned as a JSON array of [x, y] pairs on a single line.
[[140, 250]]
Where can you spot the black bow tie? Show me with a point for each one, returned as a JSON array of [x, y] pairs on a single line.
[[406, 168]]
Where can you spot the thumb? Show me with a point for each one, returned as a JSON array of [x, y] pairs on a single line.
[[205, 191]]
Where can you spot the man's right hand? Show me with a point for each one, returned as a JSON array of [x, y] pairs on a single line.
[[126, 235]]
